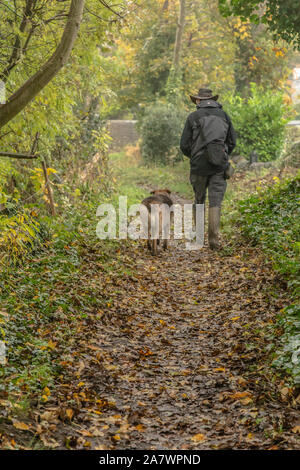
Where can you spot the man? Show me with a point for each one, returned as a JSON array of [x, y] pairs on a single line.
[[207, 139]]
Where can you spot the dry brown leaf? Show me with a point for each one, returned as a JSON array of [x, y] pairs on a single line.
[[140, 428], [20, 425], [69, 413], [219, 369], [198, 438], [80, 368], [284, 392], [246, 401], [49, 442], [296, 429], [50, 416], [85, 432], [239, 395]]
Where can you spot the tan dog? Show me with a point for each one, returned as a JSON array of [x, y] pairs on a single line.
[[160, 198]]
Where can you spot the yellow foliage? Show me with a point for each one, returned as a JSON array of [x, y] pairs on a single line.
[[17, 234]]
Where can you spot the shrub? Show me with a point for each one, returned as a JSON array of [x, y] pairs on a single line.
[[271, 219], [259, 121], [20, 232], [292, 157], [160, 130], [297, 110], [287, 357]]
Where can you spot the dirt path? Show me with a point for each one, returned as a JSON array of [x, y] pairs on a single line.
[[177, 360]]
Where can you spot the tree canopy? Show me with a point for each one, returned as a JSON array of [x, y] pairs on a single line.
[[281, 16], [225, 53]]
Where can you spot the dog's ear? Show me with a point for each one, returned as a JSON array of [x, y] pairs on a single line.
[[167, 191]]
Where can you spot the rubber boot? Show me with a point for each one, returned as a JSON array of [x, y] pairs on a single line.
[[214, 215], [200, 245]]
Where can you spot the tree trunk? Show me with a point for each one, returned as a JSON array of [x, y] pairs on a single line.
[[179, 33], [165, 5], [40, 79]]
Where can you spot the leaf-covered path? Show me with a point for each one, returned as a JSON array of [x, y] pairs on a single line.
[[177, 360]]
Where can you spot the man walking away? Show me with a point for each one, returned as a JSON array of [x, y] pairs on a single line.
[[207, 139]]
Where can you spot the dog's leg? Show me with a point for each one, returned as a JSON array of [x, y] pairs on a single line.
[[149, 241], [165, 228], [149, 245]]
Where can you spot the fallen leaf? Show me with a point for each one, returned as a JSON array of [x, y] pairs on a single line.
[[219, 369], [296, 429], [246, 401], [20, 425], [69, 413], [140, 428], [46, 391], [239, 395], [198, 438], [284, 392], [49, 442]]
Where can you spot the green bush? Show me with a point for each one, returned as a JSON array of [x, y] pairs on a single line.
[[297, 111], [259, 121], [271, 219], [160, 130], [287, 357], [292, 155]]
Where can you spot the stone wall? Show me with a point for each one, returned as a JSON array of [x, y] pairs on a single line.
[[123, 133]]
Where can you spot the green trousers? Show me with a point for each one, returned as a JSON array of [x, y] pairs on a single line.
[[215, 185]]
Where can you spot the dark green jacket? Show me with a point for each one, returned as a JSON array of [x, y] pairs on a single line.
[[198, 156]]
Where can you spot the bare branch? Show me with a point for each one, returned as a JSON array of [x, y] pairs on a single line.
[[17, 155]]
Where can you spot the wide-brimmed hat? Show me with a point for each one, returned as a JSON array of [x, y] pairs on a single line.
[[204, 94]]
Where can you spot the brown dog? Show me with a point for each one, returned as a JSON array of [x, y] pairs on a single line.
[[159, 198]]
